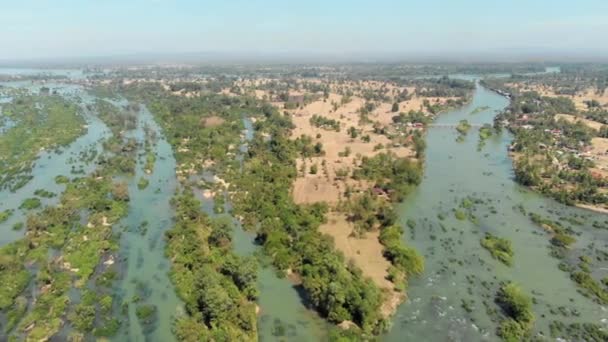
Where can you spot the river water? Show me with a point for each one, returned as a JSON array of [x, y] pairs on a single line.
[[142, 253], [457, 268]]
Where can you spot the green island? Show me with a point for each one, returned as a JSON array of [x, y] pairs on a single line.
[[499, 248]]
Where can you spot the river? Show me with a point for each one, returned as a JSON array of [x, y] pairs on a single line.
[[457, 268]]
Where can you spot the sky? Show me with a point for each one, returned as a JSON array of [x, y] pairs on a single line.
[[39, 29]]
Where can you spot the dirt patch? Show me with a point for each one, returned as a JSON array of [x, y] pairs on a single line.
[[599, 154], [213, 121]]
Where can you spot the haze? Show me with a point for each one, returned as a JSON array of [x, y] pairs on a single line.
[[442, 29]]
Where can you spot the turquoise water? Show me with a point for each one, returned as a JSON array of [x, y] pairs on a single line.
[[142, 254], [52, 163]]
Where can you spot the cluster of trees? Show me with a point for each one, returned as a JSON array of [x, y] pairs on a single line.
[[307, 149], [406, 261], [183, 121], [396, 176], [289, 232], [217, 286], [325, 123], [369, 212], [412, 117], [116, 119], [445, 87], [536, 165], [203, 269]]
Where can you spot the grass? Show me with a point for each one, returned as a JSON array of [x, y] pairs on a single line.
[[592, 288], [14, 280]]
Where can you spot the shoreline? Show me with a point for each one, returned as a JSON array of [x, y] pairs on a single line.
[[591, 207]]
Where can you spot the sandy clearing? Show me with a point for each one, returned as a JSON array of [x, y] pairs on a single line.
[[213, 121], [323, 185], [579, 98], [599, 152], [597, 209]]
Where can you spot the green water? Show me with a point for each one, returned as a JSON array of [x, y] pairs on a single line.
[[456, 264], [142, 253], [50, 163]]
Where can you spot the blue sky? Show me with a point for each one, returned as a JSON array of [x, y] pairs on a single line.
[[68, 28]]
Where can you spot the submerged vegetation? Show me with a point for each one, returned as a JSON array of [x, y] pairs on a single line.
[[517, 308], [499, 248], [40, 123], [81, 247]]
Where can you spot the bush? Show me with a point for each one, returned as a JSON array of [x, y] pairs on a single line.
[[499, 248], [518, 308], [30, 204]]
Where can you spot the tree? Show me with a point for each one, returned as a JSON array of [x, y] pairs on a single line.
[[313, 169], [120, 191], [395, 108]]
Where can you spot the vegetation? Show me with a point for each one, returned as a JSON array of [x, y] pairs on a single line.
[[62, 253], [142, 183], [406, 259], [549, 152], [325, 123], [4, 215], [217, 287], [499, 248], [395, 176], [30, 203], [518, 309], [463, 127], [41, 123]]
